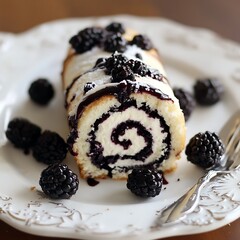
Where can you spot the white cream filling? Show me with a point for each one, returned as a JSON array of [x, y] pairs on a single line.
[[103, 135]]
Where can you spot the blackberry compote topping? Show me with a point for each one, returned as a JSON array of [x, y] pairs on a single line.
[[145, 182], [100, 62], [142, 41], [115, 42], [41, 91], [22, 133], [186, 101], [208, 91], [50, 148], [138, 67], [88, 86], [122, 72], [205, 150], [87, 39], [113, 61], [115, 27], [59, 182], [119, 61]]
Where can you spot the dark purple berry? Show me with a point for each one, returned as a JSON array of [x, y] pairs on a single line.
[[186, 101], [208, 91], [115, 27], [86, 39], [113, 61], [41, 91], [145, 182], [115, 42], [22, 133], [205, 150], [142, 41], [138, 67], [59, 182], [50, 148], [122, 72], [88, 86]]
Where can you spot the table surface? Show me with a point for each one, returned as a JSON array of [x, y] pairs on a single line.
[[219, 16]]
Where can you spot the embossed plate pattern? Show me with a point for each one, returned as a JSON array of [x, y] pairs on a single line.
[[109, 210]]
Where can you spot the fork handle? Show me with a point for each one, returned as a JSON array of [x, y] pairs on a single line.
[[187, 202]]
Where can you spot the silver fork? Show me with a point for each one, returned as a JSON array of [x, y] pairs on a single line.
[[230, 135]]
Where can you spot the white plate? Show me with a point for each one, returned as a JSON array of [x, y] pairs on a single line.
[[109, 210]]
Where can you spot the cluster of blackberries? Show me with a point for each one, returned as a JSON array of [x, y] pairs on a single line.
[[204, 150], [86, 39], [123, 69], [206, 92], [48, 147], [110, 38], [57, 181]]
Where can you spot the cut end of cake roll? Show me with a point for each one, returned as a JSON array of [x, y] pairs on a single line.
[[121, 109]]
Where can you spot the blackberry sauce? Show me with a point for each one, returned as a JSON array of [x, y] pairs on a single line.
[[122, 92], [165, 182], [68, 90], [92, 182]]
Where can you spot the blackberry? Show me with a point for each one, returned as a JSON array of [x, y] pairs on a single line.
[[205, 150], [142, 41], [88, 86], [50, 148], [22, 133], [138, 67], [186, 101], [115, 27], [113, 61], [115, 42], [58, 181], [122, 72], [145, 182], [86, 39], [208, 91], [41, 91]]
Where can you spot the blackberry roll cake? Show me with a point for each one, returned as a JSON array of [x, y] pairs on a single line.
[[121, 109]]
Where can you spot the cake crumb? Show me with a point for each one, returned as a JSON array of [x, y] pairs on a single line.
[[33, 188]]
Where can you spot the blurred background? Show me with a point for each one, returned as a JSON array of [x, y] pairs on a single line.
[[220, 16]]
